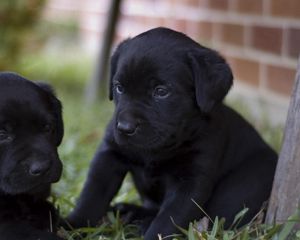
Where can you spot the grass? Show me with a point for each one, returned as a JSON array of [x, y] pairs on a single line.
[[84, 128]]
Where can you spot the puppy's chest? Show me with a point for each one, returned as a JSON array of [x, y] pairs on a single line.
[[150, 173], [149, 183], [153, 179]]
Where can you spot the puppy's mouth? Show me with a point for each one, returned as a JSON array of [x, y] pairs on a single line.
[[25, 184], [143, 139], [13, 188]]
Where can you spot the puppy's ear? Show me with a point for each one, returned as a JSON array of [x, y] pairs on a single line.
[[212, 77], [114, 65], [57, 110]]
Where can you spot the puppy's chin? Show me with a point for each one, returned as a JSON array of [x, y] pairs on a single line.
[[41, 192], [36, 190], [139, 141]]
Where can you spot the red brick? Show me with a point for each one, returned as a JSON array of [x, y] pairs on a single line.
[[280, 79], [179, 25], [218, 4], [202, 3], [160, 21], [245, 70], [153, 22], [232, 34], [134, 19], [117, 39], [193, 29], [142, 20], [268, 39], [169, 2], [205, 30], [294, 42], [199, 30], [285, 8], [249, 6], [192, 3]]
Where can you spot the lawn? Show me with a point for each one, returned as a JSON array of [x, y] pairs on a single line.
[[84, 128]]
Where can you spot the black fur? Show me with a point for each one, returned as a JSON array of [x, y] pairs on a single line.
[[31, 128], [171, 130]]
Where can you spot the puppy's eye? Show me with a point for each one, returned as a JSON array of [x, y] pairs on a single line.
[[47, 128], [119, 88], [161, 92]]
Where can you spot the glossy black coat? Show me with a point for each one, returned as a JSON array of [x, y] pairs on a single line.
[[171, 130], [31, 128]]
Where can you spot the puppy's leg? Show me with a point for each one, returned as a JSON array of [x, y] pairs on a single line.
[[248, 186], [104, 180], [178, 205]]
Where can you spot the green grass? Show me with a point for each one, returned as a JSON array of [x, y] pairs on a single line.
[[84, 128]]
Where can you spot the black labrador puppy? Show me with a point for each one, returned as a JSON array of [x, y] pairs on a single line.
[[31, 128], [171, 131]]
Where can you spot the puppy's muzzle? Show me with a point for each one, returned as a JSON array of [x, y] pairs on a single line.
[[48, 168]]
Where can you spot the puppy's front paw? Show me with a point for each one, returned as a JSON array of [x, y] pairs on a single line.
[[137, 215], [72, 222], [129, 213]]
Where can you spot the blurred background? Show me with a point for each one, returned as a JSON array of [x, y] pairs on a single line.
[[61, 42], [259, 38]]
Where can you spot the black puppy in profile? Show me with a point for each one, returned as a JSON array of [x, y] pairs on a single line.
[[31, 128], [171, 130]]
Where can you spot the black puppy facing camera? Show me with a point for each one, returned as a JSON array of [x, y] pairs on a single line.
[[31, 128], [172, 132]]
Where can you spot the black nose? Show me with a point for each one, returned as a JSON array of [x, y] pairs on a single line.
[[38, 168], [128, 128]]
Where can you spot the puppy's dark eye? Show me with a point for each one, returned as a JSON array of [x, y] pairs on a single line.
[[161, 92], [119, 88], [47, 128]]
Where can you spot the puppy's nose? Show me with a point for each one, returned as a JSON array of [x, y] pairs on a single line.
[[127, 128], [38, 168]]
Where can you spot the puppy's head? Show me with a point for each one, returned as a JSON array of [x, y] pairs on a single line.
[[160, 81], [31, 128]]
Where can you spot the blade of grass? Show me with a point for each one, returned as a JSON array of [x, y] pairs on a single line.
[[191, 235], [214, 230], [289, 225], [238, 218], [184, 231], [202, 210]]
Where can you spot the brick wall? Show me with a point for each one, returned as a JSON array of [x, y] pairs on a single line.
[[259, 38]]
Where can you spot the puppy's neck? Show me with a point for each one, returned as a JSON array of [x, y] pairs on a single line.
[[38, 194]]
